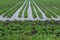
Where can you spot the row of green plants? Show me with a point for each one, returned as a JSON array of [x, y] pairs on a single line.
[[47, 9], [33, 12], [20, 14], [44, 9], [6, 5], [39, 13], [26, 10], [11, 12], [51, 7], [55, 3]]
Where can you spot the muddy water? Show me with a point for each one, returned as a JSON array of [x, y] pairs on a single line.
[[36, 13], [30, 16], [23, 11], [43, 14], [15, 16]]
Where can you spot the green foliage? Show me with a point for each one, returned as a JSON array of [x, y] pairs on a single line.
[[29, 30]]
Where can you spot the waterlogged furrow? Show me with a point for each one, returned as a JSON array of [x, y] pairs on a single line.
[[33, 12], [36, 12], [37, 9], [54, 13], [11, 11], [43, 14], [30, 11], [49, 13], [54, 8], [5, 18], [20, 14], [24, 10], [46, 10], [15, 15], [51, 7]]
